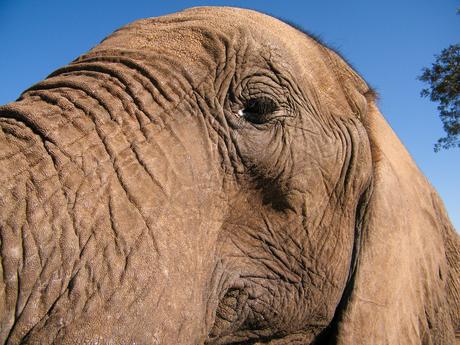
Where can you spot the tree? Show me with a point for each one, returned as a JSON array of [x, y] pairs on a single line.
[[444, 87]]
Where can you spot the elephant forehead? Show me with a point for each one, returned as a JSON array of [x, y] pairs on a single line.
[[197, 33], [199, 40]]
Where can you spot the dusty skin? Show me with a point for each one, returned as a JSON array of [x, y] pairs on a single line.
[[216, 176]]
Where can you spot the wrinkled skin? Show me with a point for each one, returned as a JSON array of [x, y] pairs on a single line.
[[216, 176]]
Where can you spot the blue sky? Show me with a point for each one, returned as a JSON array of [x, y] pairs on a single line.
[[388, 42]]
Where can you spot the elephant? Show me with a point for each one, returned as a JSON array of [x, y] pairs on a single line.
[[216, 176]]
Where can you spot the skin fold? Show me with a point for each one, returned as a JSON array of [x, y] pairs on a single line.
[[216, 176]]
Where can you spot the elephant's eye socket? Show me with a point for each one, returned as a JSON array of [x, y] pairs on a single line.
[[258, 109]]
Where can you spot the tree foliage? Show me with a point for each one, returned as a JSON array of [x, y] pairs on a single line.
[[444, 87]]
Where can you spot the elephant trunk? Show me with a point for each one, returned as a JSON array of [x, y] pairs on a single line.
[[107, 204]]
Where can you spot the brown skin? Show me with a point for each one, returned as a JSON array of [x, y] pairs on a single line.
[[216, 176]]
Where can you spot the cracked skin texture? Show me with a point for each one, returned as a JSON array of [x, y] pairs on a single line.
[[216, 176]]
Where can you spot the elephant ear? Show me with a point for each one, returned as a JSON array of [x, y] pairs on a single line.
[[405, 288]]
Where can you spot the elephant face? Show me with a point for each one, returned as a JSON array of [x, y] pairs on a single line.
[[304, 166], [226, 179], [295, 159]]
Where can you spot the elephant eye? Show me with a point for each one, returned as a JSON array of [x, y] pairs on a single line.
[[258, 109]]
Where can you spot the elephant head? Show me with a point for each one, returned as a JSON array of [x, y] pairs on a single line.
[[216, 176]]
